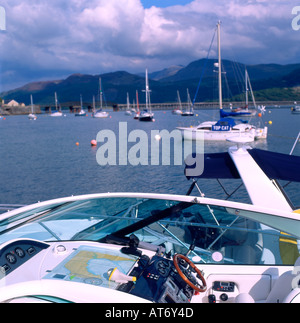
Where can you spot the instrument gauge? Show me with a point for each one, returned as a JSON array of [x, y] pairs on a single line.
[[20, 252], [11, 258]]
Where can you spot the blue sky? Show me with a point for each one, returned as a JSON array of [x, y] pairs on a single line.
[[164, 3], [48, 40]]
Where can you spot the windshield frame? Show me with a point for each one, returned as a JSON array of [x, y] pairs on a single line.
[[278, 219]]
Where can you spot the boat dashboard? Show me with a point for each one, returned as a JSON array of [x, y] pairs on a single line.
[[143, 274]]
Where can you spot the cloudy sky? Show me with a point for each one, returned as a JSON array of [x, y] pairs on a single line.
[[53, 39]]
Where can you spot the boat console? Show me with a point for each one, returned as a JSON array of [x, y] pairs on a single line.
[[159, 282], [15, 254], [157, 278]]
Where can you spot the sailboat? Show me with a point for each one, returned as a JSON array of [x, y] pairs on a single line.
[[178, 111], [57, 112], [189, 112], [243, 111], [81, 113], [147, 114], [137, 114], [32, 116], [128, 112], [100, 113], [226, 127]]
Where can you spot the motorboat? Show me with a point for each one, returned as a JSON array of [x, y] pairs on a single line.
[[32, 116], [147, 115], [161, 248]]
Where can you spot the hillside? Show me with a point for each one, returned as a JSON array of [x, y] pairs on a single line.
[[269, 81]]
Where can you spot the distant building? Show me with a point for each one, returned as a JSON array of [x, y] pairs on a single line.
[[13, 103]]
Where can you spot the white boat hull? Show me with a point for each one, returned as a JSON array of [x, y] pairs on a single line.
[[296, 110], [207, 135], [32, 117], [56, 114], [101, 115], [146, 117], [177, 112]]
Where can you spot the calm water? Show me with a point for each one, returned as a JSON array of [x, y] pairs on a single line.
[[40, 159]]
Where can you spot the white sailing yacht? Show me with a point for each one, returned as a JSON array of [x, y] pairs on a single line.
[[178, 110], [81, 113], [147, 114], [137, 113], [189, 112], [226, 127], [31, 115], [128, 112], [57, 112], [100, 113], [243, 111]]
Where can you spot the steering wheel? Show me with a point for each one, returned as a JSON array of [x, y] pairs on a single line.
[[186, 273]]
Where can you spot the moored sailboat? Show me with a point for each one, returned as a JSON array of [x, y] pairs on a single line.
[[137, 113], [81, 113], [31, 115], [189, 112], [58, 112], [147, 115], [178, 110], [226, 127], [128, 112], [100, 113]]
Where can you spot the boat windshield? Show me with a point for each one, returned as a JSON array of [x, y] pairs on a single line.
[[216, 234]]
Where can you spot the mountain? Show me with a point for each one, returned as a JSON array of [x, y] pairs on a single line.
[[269, 81], [167, 72]]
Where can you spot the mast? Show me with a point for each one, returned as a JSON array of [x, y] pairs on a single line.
[[128, 103], [246, 87], [94, 104], [100, 93], [179, 101], [147, 89], [189, 101], [137, 101], [220, 66], [81, 104], [31, 99]]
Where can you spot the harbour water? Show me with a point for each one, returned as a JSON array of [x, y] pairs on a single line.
[[40, 159]]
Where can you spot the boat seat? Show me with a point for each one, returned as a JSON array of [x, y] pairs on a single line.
[[284, 290], [245, 247]]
